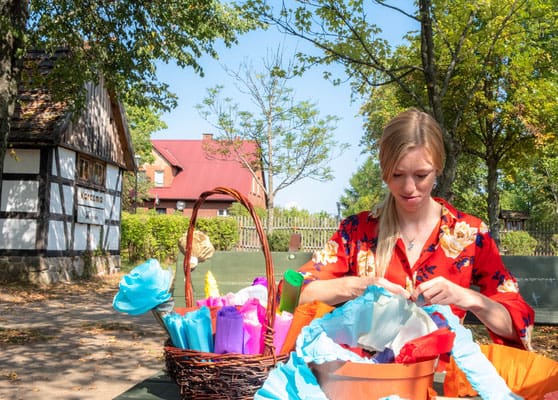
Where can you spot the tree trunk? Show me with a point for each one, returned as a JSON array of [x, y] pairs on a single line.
[[493, 198], [13, 15], [428, 57]]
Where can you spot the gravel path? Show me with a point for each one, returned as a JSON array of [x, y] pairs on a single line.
[[71, 344]]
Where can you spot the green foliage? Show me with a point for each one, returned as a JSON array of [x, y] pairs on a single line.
[[366, 189], [152, 235], [143, 122], [123, 40], [237, 209], [222, 231], [517, 243], [279, 240]]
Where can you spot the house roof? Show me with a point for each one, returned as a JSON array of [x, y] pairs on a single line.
[[199, 171], [40, 120]]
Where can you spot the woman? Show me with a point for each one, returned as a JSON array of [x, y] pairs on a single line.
[[420, 246]]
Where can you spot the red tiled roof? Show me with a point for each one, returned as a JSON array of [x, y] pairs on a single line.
[[199, 172]]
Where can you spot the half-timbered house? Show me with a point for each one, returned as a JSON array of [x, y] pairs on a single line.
[[61, 185]]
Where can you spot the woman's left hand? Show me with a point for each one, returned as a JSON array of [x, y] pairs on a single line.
[[440, 290]]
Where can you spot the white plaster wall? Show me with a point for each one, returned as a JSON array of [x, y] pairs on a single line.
[[112, 209], [21, 195], [94, 237], [112, 182], [56, 202], [113, 237], [80, 237], [67, 164], [56, 236], [22, 161], [18, 234]]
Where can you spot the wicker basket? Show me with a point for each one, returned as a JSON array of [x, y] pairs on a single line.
[[203, 375]]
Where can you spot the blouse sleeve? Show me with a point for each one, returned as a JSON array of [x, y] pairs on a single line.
[[497, 283], [330, 262]]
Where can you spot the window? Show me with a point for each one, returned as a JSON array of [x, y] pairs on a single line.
[[83, 168], [99, 173], [223, 213], [159, 178], [161, 210], [90, 170]]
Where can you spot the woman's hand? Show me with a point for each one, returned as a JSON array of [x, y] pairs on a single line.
[[442, 291], [340, 290], [492, 314]]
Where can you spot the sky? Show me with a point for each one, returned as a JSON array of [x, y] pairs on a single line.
[[184, 122]]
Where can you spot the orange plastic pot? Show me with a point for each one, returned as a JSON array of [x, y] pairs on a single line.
[[348, 380]]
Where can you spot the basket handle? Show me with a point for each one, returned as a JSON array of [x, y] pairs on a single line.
[[269, 272]]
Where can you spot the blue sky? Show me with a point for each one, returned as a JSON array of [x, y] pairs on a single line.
[[184, 122]]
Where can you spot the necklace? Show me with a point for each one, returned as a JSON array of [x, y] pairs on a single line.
[[410, 242]]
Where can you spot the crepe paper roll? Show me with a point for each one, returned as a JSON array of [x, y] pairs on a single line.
[[303, 315], [198, 330], [281, 327], [253, 319], [292, 283], [229, 333], [173, 323], [211, 288]]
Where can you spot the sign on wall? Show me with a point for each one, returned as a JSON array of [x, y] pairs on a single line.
[[91, 206]]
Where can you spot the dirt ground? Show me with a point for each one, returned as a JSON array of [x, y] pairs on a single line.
[[68, 343]]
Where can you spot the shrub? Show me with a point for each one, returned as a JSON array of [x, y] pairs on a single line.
[[279, 240], [222, 231], [149, 235], [517, 243]]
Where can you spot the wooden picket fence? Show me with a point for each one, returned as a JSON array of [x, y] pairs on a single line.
[[314, 232]]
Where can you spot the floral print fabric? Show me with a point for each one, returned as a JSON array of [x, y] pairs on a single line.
[[459, 249]]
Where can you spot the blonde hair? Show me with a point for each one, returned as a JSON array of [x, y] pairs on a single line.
[[408, 130]]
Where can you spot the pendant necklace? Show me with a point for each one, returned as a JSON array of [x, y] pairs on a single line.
[[411, 242]]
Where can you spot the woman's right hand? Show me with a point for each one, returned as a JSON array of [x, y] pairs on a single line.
[[340, 290]]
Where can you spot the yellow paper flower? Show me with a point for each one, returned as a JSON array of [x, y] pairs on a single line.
[[211, 289]]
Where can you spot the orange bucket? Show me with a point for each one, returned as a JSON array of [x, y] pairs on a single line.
[[349, 380]]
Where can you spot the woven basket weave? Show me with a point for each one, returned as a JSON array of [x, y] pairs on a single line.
[[203, 375]]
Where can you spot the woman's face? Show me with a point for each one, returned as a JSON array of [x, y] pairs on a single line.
[[412, 180]]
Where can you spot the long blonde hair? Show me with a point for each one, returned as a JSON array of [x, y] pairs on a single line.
[[408, 130]]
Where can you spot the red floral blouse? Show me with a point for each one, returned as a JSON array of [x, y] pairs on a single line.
[[460, 249]]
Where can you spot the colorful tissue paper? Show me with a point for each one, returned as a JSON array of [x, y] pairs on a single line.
[[291, 380], [253, 317], [426, 347], [143, 288], [281, 328], [229, 333], [480, 372], [199, 334], [174, 325]]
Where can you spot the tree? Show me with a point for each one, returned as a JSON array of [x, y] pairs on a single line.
[[458, 56], [120, 40], [366, 188], [143, 122], [293, 141]]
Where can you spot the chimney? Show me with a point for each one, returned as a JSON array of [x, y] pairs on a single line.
[[207, 136]]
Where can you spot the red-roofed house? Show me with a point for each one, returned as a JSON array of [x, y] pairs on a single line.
[[183, 169]]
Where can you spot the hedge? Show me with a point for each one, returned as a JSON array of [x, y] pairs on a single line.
[[151, 235]]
